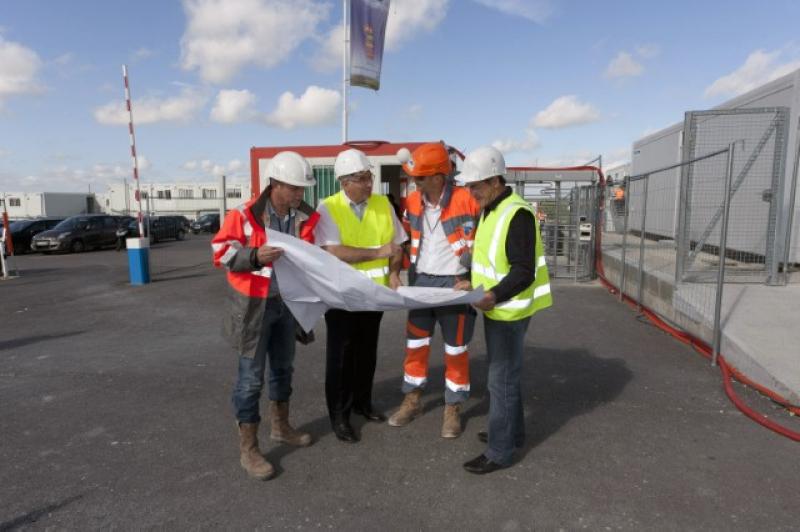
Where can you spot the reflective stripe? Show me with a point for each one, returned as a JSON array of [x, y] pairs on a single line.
[[415, 242], [416, 344], [488, 271], [217, 247], [263, 272], [454, 350], [456, 387], [234, 246], [542, 262], [515, 303], [248, 229], [416, 381], [541, 291], [498, 230], [376, 272]]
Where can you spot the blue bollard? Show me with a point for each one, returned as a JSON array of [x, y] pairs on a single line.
[[139, 260]]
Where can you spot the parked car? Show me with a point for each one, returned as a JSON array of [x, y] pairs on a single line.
[[187, 223], [158, 229], [78, 233], [23, 231], [208, 223]]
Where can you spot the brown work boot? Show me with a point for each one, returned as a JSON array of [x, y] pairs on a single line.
[[452, 421], [251, 458], [409, 410], [281, 430]]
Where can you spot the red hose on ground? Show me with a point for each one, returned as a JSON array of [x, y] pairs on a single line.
[[706, 351]]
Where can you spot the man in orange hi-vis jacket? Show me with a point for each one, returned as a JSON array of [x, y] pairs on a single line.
[[256, 320], [441, 219]]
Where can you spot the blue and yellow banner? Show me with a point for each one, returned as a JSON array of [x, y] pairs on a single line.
[[367, 32]]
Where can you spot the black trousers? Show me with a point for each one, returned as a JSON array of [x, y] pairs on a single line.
[[352, 354]]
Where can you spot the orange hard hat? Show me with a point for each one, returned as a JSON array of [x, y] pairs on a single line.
[[429, 159]]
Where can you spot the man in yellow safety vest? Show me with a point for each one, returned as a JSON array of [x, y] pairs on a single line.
[[508, 261]]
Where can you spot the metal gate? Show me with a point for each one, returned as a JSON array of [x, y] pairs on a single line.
[[758, 138], [565, 200]]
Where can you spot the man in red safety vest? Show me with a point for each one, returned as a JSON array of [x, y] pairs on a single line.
[[256, 321]]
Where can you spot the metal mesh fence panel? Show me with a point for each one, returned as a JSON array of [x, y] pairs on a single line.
[[759, 140]]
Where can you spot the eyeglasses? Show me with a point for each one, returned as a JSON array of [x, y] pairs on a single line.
[[361, 180]]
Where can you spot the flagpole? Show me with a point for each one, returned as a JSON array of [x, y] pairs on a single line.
[[344, 71]]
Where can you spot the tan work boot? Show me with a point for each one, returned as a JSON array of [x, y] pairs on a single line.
[[281, 430], [409, 410], [251, 458], [452, 422]]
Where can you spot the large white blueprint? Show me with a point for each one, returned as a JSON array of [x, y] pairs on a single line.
[[312, 281]]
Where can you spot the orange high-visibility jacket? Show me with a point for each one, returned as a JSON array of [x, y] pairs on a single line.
[[459, 215], [235, 246]]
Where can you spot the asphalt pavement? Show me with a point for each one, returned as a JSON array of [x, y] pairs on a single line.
[[116, 414]]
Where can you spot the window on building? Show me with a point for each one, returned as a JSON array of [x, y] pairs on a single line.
[[184, 193], [143, 194], [209, 193], [14, 202], [234, 193], [164, 194]]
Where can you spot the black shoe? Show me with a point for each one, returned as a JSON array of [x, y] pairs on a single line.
[[344, 432], [482, 465], [370, 415]]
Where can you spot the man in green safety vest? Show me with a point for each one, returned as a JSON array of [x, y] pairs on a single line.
[[508, 261]]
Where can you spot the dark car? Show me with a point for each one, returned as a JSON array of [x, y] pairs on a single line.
[[78, 233], [187, 223], [23, 231], [208, 223], [158, 229]]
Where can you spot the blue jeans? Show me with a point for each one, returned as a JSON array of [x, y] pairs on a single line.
[[276, 343], [505, 344]]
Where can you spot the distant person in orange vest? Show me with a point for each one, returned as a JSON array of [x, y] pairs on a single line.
[[255, 319], [442, 219]]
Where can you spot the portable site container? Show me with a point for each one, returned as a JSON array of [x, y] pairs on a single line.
[[684, 201], [38, 204]]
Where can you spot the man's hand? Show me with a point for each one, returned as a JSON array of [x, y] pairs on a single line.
[[463, 285], [388, 250], [266, 254], [488, 301], [394, 280]]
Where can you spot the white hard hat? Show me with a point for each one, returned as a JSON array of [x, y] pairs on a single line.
[[350, 162], [482, 163], [291, 168]]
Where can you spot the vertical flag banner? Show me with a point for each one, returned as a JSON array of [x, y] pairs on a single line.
[[367, 31]]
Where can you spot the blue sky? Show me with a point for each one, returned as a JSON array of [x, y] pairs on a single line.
[[549, 82]]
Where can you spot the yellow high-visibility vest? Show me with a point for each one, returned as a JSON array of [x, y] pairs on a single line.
[[374, 230], [490, 263]]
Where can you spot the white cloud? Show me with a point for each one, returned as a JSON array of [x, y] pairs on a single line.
[[224, 36], [534, 10], [315, 106], [141, 53], [409, 18], [529, 144], [19, 67], [150, 110], [623, 66], [648, 51], [412, 113], [329, 57], [207, 167], [565, 112], [759, 68], [234, 106]]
